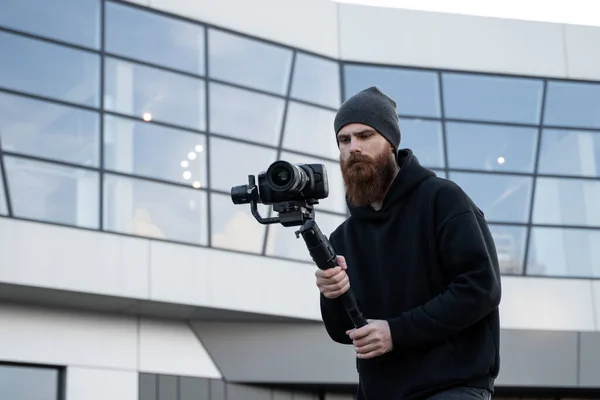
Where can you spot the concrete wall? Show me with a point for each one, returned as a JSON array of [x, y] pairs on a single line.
[[133, 269], [103, 353]]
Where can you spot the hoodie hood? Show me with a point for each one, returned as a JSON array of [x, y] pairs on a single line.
[[411, 175]]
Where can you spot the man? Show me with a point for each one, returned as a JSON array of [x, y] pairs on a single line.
[[422, 263]]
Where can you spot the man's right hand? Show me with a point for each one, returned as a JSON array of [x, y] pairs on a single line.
[[333, 282]]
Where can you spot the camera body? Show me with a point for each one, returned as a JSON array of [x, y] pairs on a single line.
[[285, 182]]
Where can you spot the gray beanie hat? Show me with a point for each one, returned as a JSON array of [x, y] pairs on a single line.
[[373, 108]]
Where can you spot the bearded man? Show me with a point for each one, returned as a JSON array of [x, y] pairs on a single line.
[[422, 263]]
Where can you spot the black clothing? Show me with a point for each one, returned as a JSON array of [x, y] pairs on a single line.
[[427, 264], [373, 108]]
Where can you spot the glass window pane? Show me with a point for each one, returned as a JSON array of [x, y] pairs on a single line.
[[282, 241], [492, 98], [73, 21], [572, 104], [248, 62], [316, 80], [491, 147], [28, 383], [153, 94], [415, 92], [146, 149], [564, 252], [231, 162], [245, 115], [234, 227], [156, 39], [3, 206], [310, 130], [567, 152], [502, 198], [567, 202], [47, 130], [53, 193], [158, 210], [49, 70], [424, 138], [510, 247], [336, 201]]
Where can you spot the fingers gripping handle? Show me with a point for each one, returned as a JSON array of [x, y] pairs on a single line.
[[324, 256]]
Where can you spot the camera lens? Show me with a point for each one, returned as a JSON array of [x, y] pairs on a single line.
[[283, 176], [240, 195]]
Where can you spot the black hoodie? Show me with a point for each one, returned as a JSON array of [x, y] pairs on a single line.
[[427, 264]]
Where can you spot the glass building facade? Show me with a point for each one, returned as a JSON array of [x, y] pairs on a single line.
[[125, 120]]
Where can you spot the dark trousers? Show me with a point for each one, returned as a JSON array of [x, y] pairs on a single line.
[[462, 393]]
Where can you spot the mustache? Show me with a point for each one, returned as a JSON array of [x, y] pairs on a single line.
[[356, 158]]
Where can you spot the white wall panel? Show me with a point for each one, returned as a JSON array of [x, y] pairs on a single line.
[[171, 347], [265, 285], [179, 274], [583, 51], [37, 335], [307, 24], [596, 292], [407, 37], [73, 259], [101, 384], [547, 304]]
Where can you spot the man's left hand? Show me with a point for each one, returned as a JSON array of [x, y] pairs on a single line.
[[371, 340]]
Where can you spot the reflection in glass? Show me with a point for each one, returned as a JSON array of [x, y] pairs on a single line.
[[248, 62], [3, 206], [153, 38], [424, 138], [49, 70], [234, 227], [53, 193], [415, 92], [231, 162], [491, 147], [316, 80], [28, 383], [146, 149], [510, 247], [567, 202], [245, 115], [154, 94], [282, 241], [336, 201], [568, 152], [440, 173], [156, 210], [73, 21], [572, 104], [502, 198], [310, 130], [492, 98], [48, 130], [564, 252]]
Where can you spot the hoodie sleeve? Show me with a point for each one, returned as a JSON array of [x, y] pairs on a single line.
[[334, 316], [467, 255], [336, 320]]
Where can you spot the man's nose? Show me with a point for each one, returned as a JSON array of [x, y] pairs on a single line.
[[355, 146]]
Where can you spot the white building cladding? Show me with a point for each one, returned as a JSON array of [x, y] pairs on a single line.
[[127, 273]]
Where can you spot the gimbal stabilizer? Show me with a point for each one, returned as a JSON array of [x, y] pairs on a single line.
[[301, 213]]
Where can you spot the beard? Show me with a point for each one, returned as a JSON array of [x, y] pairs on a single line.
[[367, 179]]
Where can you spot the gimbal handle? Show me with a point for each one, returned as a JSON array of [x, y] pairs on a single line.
[[324, 256]]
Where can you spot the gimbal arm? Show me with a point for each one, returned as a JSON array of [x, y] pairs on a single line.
[[324, 256]]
